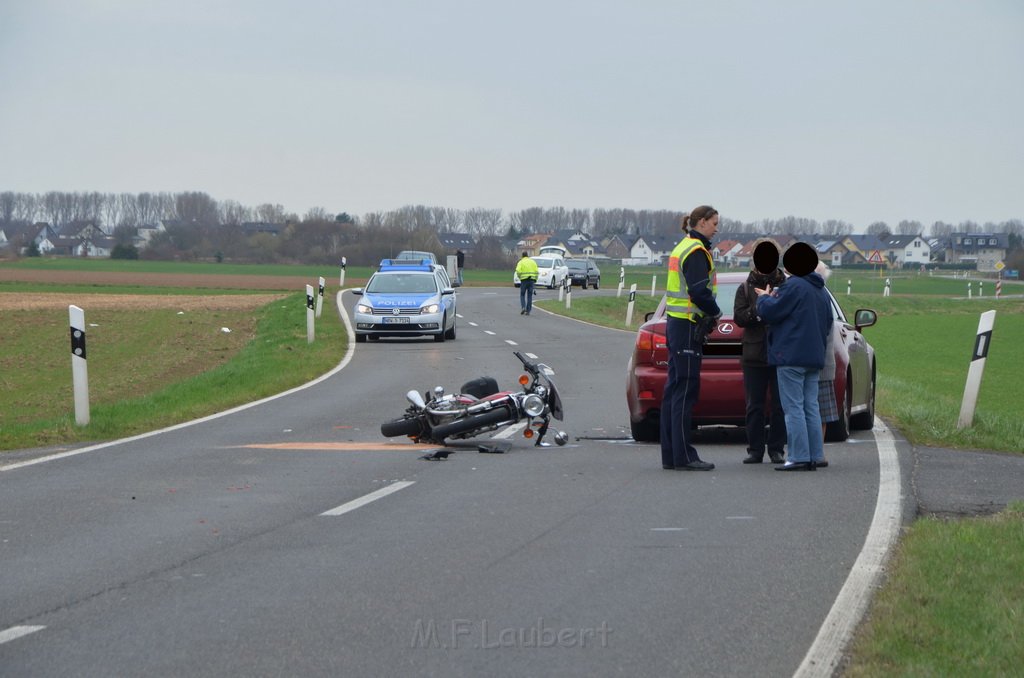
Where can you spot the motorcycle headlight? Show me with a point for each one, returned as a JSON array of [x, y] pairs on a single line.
[[533, 405], [431, 308]]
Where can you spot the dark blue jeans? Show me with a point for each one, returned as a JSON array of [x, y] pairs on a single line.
[[681, 392], [526, 294]]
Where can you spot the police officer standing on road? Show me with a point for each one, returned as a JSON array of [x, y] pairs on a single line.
[[690, 297], [528, 271]]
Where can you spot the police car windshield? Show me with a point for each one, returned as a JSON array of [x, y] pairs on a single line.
[[402, 283], [544, 263]]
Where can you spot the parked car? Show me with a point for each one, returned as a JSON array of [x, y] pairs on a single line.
[[416, 255], [551, 272], [405, 298], [722, 400], [584, 272]]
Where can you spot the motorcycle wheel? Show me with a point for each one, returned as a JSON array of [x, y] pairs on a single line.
[[469, 424], [401, 427]]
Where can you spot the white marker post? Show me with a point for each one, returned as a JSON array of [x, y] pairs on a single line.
[[79, 370], [981, 289], [561, 288], [849, 286], [888, 287], [970, 292], [629, 306], [981, 344], [568, 295], [320, 298], [310, 321], [622, 281], [654, 284], [341, 279]]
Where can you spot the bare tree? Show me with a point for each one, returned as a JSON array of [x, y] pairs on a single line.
[[481, 222], [196, 207], [906, 227], [941, 229], [8, 205], [270, 214], [879, 229]]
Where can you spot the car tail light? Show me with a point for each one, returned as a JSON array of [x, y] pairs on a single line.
[[647, 342]]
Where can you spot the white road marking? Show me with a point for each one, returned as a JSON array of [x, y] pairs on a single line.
[[92, 448], [366, 499], [852, 602], [510, 342], [17, 632], [489, 332], [473, 324], [531, 356], [669, 529], [510, 431]]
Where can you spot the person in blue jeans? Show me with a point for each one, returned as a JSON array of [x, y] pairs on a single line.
[[799, 318]]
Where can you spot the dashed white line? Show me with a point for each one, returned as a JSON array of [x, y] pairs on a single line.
[[366, 499], [472, 324], [510, 342], [16, 632], [489, 332], [510, 431]]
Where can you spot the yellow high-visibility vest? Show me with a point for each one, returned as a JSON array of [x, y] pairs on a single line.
[[678, 304]]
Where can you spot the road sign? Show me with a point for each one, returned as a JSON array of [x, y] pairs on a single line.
[[1000, 265]]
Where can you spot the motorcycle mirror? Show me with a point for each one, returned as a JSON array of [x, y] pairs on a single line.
[[415, 398]]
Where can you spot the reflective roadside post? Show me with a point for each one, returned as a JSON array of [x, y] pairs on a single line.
[[79, 369], [320, 298], [654, 283], [622, 281], [629, 306], [341, 279], [982, 341], [849, 286], [310, 322]]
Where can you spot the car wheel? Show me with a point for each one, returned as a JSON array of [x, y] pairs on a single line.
[[838, 431], [646, 431], [597, 284], [583, 285], [439, 337], [865, 421], [360, 338], [451, 333]]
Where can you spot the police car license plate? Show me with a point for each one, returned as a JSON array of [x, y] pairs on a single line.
[[393, 320]]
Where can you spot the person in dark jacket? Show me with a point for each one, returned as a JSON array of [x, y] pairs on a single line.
[[799, 317], [759, 378]]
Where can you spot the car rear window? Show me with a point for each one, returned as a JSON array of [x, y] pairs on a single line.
[[402, 283]]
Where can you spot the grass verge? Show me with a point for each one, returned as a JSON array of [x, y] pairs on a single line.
[[154, 368], [953, 605]]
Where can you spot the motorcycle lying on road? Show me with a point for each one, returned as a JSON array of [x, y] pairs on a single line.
[[481, 407]]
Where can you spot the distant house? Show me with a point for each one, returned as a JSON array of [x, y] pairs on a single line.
[[726, 251], [866, 248], [19, 236], [647, 250], [984, 250], [250, 228], [145, 234], [906, 250], [615, 247], [532, 242], [456, 241]]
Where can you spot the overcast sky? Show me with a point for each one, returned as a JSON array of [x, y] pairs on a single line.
[[860, 110]]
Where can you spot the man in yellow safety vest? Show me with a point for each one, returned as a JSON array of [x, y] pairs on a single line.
[[690, 297]]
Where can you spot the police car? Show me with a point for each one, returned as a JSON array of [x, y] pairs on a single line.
[[406, 298]]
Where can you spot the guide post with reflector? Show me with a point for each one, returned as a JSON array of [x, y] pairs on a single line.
[[981, 343], [79, 368]]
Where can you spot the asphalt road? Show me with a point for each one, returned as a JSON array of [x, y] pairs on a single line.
[[204, 551]]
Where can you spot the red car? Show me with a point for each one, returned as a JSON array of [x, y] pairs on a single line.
[[722, 400]]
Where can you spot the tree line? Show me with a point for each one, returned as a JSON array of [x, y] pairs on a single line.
[[201, 227]]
